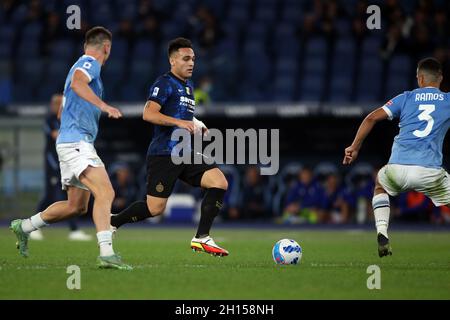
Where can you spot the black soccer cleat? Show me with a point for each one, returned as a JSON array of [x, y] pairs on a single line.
[[384, 249]]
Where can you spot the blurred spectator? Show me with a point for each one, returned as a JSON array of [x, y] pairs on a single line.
[[7, 9], [123, 183], [150, 29], [442, 215], [147, 9], [364, 186], [251, 204], [53, 30], [202, 91], [442, 27], [126, 32], [443, 55], [393, 42], [35, 12], [411, 30], [302, 202], [333, 200], [413, 206], [206, 28], [359, 30], [422, 45]]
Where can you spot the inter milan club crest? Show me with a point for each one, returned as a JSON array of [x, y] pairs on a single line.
[[188, 90], [159, 187]]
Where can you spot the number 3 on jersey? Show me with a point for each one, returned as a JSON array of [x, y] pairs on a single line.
[[425, 116]]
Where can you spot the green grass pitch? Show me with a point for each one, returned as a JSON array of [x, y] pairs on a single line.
[[334, 266]]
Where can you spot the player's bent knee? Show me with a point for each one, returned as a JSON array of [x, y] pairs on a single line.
[[75, 209], [156, 208], [222, 184], [83, 210], [106, 194]]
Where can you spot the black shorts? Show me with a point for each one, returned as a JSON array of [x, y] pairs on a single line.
[[162, 174]]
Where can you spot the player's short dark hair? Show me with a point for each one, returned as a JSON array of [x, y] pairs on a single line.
[[430, 66], [97, 35], [178, 43]]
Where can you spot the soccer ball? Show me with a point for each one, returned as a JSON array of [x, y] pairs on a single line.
[[287, 251]]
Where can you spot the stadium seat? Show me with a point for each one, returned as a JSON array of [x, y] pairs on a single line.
[[6, 40], [256, 31], [32, 31], [119, 49], [371, 46], [316, 47], [217, 7], [143, 49], [265, 13], [62, 49], [141, 72], [28, 49], [343, 27], [312, 87], [292, 13], [341, 88], [396, 84], [238, 15], [368, 82], [284, 88], [323, 169], [399, 76], [358, 172]]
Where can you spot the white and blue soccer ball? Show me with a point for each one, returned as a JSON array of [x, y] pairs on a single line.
[[287, 251]]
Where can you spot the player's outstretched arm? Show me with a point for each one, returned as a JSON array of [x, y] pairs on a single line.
[[153, 115], [80, 85], [351, 152]]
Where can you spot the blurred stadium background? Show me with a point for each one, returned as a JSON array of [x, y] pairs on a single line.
[[310, 68]]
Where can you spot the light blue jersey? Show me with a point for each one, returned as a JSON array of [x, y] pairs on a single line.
[[424, 120], [79, 118]]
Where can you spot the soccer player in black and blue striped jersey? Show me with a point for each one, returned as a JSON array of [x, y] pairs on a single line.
[[170, 106]]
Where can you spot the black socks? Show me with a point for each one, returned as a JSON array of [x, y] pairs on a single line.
[[137, 211], [211, 205]]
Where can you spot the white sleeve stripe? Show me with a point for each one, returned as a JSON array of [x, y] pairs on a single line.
[[389, 112], [85, 72]]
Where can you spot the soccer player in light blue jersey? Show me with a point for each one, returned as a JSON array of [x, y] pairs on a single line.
[[82, 171], [416, 157]]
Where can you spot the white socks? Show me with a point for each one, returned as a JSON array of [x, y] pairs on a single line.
[[381, 210], [33, 223], [105, 243]]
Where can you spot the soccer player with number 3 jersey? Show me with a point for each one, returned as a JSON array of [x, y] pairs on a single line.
[[416, 158]]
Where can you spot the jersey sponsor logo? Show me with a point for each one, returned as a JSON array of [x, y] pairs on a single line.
[[155, 92], [187, 102], [429, 96]]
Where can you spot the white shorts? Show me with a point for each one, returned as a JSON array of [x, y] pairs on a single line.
[[74, 158], [434, 183]]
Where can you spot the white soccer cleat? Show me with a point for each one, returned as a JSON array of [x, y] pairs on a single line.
[[37, 235], [208, 245], [79, 235]]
